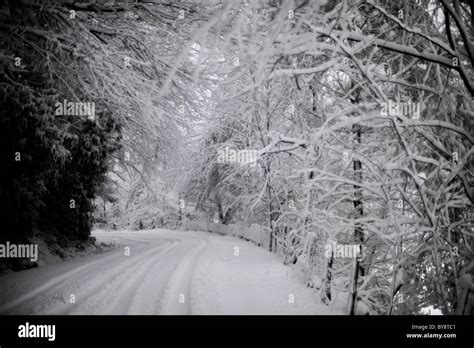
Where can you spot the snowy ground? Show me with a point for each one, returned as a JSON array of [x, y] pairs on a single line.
[[167, 272]]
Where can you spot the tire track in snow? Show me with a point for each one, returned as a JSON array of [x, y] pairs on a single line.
[[148, 296], [180, 283], [88, 270], [109, 300]]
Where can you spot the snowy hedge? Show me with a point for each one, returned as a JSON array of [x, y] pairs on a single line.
[[253, 233]]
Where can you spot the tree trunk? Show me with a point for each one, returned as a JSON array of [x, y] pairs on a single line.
[[326, 295], [358, 232], [270, 213]]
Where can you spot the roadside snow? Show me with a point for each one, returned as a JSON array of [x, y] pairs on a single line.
[[252, 282]]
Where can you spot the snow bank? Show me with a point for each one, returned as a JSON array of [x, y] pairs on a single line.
[[236, 277], [254, 233]]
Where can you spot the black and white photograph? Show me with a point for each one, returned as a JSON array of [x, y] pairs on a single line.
[[235, 158]]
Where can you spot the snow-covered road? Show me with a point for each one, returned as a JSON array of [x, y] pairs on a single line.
[[162, 272]]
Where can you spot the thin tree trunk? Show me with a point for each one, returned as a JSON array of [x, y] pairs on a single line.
[[270, 213], [327, 281], [358, 232]]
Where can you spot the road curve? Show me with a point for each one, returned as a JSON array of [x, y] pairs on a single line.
[[163, 272], [148, 273]]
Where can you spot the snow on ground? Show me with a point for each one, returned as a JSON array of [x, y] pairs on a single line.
[[54, 253], [166, 272], [254, 282], [430, 310]]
